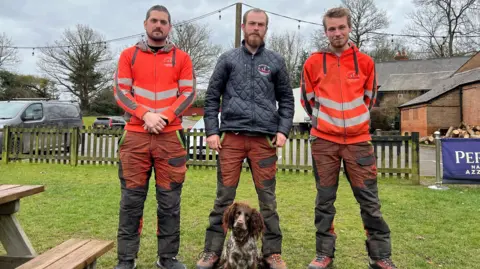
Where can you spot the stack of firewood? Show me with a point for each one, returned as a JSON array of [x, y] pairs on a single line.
[[463, 131]]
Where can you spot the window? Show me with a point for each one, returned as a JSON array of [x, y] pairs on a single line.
[[405, 114], [63, 111], [400, 96], [33, 112]]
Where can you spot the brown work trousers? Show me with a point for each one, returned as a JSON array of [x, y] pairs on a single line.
[[360, 166], [139, 154], [261, 155]]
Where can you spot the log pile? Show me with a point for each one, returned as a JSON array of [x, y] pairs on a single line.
[[463, 131]]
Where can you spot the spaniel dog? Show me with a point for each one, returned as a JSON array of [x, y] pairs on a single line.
[[246, 226]]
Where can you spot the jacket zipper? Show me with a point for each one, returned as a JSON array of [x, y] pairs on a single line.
[[155, 80], [253, 91], [343, 110]]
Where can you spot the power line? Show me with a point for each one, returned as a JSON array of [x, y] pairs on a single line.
[[285, 16], [179, 24], [376, 33], [219, 12]]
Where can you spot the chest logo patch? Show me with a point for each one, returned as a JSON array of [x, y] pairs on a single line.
[[264, 70], [167, 62], [353, 75]]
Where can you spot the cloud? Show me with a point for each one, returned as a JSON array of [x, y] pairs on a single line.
[[38, 23]]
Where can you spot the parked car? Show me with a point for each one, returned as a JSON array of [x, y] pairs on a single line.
[[30, 113], [112, 122]]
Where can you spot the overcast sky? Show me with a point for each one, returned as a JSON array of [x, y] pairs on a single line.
[[39, 23]]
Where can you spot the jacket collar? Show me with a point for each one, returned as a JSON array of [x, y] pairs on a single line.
[[352, 49], [259, 50], [143, 46]]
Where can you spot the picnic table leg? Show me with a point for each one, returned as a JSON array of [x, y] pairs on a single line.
[[93, 265], [12, 236]]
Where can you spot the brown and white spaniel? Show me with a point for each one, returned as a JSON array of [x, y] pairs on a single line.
[[246, 226]]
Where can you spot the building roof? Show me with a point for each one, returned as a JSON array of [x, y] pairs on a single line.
[[385, 69], [445, 86], [414, 81]]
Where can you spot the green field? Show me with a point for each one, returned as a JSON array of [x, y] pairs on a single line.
[[430, 229]]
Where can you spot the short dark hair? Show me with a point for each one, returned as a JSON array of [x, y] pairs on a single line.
[[254, 10], [338, 12], [158, 8]]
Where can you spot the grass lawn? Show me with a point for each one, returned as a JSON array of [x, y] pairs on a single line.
[[430, 229]]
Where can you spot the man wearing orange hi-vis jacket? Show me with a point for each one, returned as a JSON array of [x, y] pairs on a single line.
[[154, 84], [338, 89]]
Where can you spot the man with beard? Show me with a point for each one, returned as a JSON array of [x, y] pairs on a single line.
[[338, 89], [250, 80], [154, 84]]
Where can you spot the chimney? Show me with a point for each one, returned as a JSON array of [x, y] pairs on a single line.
[[401, 56]]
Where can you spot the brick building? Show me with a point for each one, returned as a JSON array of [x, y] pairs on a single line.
[[451, 101]]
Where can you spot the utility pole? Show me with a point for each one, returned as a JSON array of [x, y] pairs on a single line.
[[238, 25]]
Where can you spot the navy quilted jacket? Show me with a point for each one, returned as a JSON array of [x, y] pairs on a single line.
[[250, 86]]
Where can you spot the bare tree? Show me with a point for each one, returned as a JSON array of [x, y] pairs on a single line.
[[80, 62], [319, 40], [195, 40], [366, 19], [442, 26], [386, 49], [8, 55], [291, 46]]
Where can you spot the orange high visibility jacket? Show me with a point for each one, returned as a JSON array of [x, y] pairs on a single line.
[[338, 93], [161, 82]]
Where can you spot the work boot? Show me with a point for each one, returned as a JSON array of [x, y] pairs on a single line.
[[207, 261], [382, 264], [170, 263], [126, 265], [321, 262], [275, 262]]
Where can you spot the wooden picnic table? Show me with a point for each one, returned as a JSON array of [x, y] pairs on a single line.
[[13, 238]]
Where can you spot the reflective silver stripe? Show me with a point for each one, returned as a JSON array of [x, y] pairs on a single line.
[[155, 96], [310, 95], [122, 97], [340, 122], [158, 110], [144, 93], [358, 120], [368, 93], [338, 106], [125, 92], [184, 105], [166, 94], [125, 81], [183, 83]]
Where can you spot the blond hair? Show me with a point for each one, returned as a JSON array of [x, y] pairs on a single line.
[[338, 12]]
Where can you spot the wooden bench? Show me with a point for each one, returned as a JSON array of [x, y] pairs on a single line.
[[71, 254]]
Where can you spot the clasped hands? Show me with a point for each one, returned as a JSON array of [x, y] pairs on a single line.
[[154, 122]]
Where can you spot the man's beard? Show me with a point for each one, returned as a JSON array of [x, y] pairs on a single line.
[[338, 44], [157, 38], [254, 42]]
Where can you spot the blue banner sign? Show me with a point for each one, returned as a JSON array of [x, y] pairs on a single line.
[[461, 160]]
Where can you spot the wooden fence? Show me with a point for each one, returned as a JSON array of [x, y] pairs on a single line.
[[397, 155]]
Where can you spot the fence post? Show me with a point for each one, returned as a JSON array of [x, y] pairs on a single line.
[[416, 157], [5, 147], [74, 146]]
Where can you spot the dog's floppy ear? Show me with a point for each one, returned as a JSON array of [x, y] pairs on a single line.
[[229, 217], [256, 224]]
